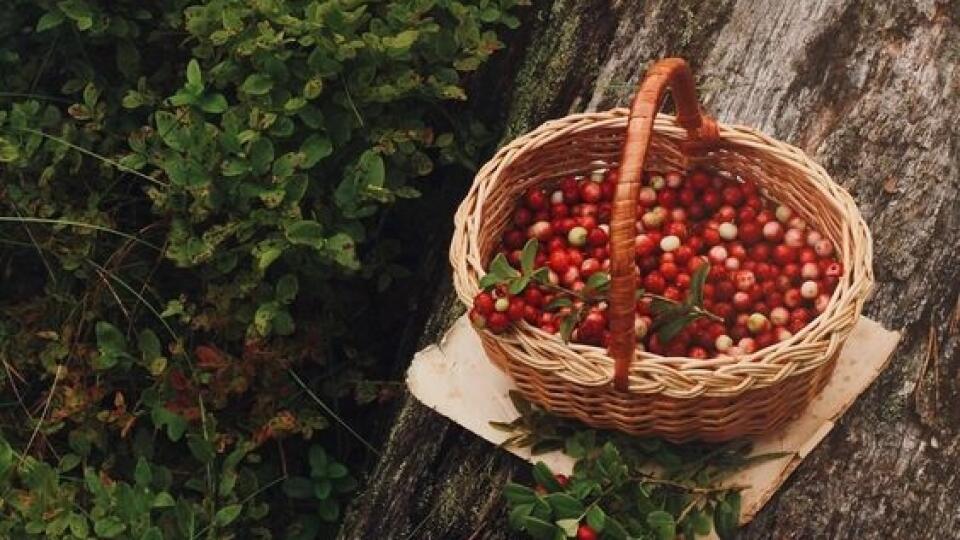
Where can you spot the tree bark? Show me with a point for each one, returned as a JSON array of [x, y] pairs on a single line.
[[870, 90]]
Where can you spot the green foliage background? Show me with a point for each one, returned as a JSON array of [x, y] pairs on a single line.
[[194, 196]]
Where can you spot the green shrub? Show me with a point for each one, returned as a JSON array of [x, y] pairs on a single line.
[[183, 173]]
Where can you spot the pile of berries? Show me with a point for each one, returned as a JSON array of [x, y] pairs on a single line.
[[769, 273]]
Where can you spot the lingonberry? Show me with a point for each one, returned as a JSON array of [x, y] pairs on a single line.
[[483, 303], [585, 532]]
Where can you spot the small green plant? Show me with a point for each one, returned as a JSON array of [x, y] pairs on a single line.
[[195, 199], [622, 487]]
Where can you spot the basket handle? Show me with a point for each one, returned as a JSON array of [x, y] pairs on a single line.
[[702, 133]]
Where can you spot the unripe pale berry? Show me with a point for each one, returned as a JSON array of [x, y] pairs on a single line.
[[647, 197], [669, 243], [784, 213], [502, 304], [731, 264], [757, 323], [748, 345], [821, 303], [717, 254], [728, 231], [809, 289], [723, 343], [657, 182], [797, 222], [640, 326], [779, 316], [598, 175], [652, 220], [824, 248], [540, 230], [577, 236], [813, 237], [556, 197], [674, 179], [810, 270], [735, 351], [782, 334], [793, 238], [773, 231]]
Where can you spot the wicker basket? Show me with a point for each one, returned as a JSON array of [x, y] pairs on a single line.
[[623, 388]]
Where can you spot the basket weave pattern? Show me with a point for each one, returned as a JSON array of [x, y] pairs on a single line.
[[673, 397]]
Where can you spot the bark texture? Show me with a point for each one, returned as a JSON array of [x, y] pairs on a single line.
[[872, 91]]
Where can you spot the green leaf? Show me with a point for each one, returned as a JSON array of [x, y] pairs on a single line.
[[109, 338], [672, 327], [194, 78], [517, 515], [108, 527], [322, 488], [213, 103], [702, 524], [539, 529], [6, 456], [163, 500], [596, 518], [314, 149], [564, 506], [298, 487], [141, 473], [50, 19], [201, 449], [544, 476], [336, 470], [518, 285], [318, 459], [528, 256], [227, 514], [153, 533], [567, 325], [328, 509], [557, 303], [500, 267], [78, 11], [9, 152], [257, 84], [663, 524], [78, 525], [261, 155], [727, 515], [614, 530], [306, 233], [598, 281], [287, 287], [343, 249], [518, 494], [697, 281], [569, 526], [372, 169], [175, 424]]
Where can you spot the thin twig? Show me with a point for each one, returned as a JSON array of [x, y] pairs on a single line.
[[329, 411]]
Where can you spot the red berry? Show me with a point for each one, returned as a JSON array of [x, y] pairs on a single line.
[[515, 311], [559, 211], [589, 267], [590, 192], [536, 199], [562, 479], [513, 239], [699, 180], [698, 352], [711, 237], [533, 296], [559, 261], [644, 245], [498, 322], [531, 314], [483, 303], [749, 232], [759, 252], [585, 532], [784, 254], [477, 320], [711, 199], [655, 283], [669, 271], [522, 217], [597, 237], [746, 214], [667, 198]]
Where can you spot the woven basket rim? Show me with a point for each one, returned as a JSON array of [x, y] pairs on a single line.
[[678, 377]]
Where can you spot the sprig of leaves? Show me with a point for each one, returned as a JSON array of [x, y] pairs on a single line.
[[612, 488], [671, 317], [501, 273]]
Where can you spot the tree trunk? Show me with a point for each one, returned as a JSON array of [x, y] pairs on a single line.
[[870, 90]]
